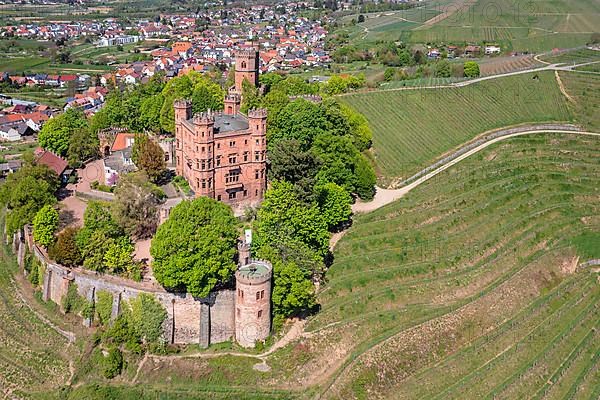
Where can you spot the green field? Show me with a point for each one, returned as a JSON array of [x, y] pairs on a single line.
[[411, 128], [516, 25], [579, 56]]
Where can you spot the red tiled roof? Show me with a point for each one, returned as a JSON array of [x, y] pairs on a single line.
[[52, 161], [120, 142]]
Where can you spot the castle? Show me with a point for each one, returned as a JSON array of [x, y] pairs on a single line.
[[222, 155]]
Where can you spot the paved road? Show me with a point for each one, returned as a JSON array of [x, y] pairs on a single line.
[[387, 196]]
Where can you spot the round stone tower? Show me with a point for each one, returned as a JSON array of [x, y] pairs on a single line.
[[253, 302]]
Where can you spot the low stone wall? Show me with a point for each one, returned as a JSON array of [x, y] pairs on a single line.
[[189, 320]]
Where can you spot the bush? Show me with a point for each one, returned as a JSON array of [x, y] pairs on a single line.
[[34, 276], [66, 251], [45, 223], [72, 302], [103, 306], [112, 364]]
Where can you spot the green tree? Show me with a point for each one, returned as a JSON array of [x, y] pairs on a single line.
[[334, 203], [292, 164], [25, 192], [283, 214], [148, 157], [135, 205], [83, 145], [66, 251], [365, 178], [150, 113], [389, 74], [443, 69], [471, 69], [118, 258], [56, 133], [293, 291], [112, 364], [250, 97], [194, 249], [98, 218], [301, 120], [45, 224]]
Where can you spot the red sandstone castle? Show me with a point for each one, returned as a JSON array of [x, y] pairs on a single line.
[[222, 155]]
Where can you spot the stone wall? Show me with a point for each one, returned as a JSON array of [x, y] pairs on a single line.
[[189, 320]]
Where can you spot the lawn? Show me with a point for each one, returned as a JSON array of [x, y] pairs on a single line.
[[412, 128]]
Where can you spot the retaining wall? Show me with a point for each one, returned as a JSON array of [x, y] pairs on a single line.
[[189, 319]]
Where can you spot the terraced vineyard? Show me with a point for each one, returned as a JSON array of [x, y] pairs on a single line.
[[584, 88], [573, 57], [32, 355], [502, 65], [412, 128], [467, 287]]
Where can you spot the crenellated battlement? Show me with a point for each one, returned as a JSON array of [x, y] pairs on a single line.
[[257, 113], [182, 103], [204, 118], [250, 53], [255, 272]]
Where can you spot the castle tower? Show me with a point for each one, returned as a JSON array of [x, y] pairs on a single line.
[[253, 302], [202, 167], [183, 112], [257, 124], [246, 67], [232, 104]]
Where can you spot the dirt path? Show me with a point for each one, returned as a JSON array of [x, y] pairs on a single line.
[[386, 196], [561, 86]]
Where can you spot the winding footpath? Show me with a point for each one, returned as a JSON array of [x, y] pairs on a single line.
[[384, 197]]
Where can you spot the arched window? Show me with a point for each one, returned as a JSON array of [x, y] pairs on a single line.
[[243, 64]]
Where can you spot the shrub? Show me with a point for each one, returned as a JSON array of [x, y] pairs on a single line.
[[45, 223], [66, 251], [72, 302], [112, 364], [103, 306], [34, 276]]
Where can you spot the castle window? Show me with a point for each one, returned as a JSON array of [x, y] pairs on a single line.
[[203, 165], [209, 183], [203, 149], [232, 143], [256, 155], [257, 142], [166, 156], [262, 294], [218, 160], [232, 176], [219, 197], [257, 295], [178, 144], [243, 64], [232, 195], [209, 163], [256, 192], [203, 183], [197, 165], [245, 156], [245, 141], [196, 148], [218, 145], [259, 313], [197, 182], [232, 159], [256, 127], [245, 193], [256, 174]]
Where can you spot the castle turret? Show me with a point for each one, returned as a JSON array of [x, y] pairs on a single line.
[[253, 302], [232, 104], [246, 67]]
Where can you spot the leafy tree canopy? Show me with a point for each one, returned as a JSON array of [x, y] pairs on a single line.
[[148, 156], [45, 224], [56, 133], [65, 250], [334, 203], [195, 248], [471, 69], [25, 192]]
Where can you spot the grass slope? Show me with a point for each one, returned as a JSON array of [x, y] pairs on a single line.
[[461, 290], [411, 128], [32, 355]]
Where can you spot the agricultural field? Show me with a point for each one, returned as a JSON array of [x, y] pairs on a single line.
[[34, 358], [503, 65], [584, 89], [578, 56], [411, 128], [517, 26], [466, 287]]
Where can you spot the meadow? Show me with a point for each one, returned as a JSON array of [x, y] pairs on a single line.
[[411, 128]]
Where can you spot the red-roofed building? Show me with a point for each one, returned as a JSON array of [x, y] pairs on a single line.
[[122, 141], [54, 162]]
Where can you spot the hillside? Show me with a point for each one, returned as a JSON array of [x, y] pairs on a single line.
[[465, 288], [411, 128]]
